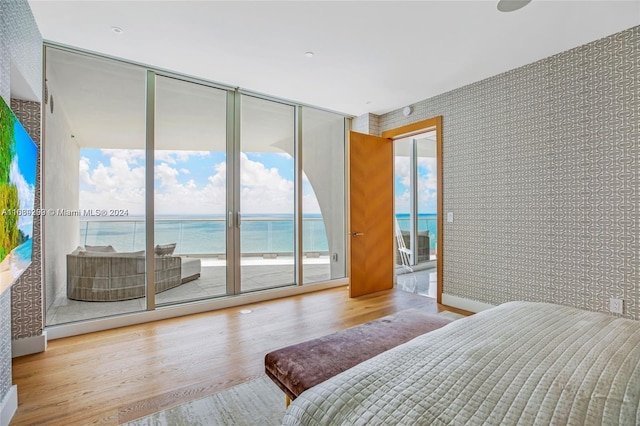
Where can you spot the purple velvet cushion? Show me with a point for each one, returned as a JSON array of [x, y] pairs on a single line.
[[299, 367]]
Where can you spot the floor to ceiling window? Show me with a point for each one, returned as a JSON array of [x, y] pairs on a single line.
[[267, 194], [190, 187], [248, 192], [415, 211], [94, 187]]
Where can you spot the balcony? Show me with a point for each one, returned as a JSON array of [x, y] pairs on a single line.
[[267, 245]]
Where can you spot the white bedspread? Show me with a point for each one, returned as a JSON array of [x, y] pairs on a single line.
[[520, 363]]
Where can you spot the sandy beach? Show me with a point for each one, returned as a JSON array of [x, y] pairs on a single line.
[[6, 273]]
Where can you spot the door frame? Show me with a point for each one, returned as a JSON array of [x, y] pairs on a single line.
[[430, 124]]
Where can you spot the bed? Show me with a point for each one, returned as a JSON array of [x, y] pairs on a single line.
[[520, 363]]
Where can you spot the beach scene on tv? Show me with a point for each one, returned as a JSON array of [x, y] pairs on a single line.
[[18, 157]]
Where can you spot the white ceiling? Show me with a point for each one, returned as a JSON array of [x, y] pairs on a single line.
[[103, 104], [370, 56]]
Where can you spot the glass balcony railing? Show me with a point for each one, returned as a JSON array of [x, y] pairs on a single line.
[[424, 224], [207, 236]]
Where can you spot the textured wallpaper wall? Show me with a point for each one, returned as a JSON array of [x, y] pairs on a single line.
[[20, 42], [366, 123], [541, 171], [5, 344]]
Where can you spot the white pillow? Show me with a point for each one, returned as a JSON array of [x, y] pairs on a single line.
[[165, 249], [100, 249], [78, 250], [128, 254]]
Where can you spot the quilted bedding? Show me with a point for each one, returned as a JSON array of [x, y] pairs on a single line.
[[520, 363]]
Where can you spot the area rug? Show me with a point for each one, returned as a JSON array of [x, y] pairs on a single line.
[[451, 315], [256, 402]]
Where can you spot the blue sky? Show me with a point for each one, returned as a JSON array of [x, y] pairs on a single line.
[[188, 182], [23, 174], [27, 153], [427, 185]]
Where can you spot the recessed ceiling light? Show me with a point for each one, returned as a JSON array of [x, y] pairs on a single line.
[[117, 30], [245, 311], [308, 54], [512, 5]]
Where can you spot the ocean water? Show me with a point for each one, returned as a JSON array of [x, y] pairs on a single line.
[[24, 251], [426, 222], [259, 234], [272, 234], [21, 257]]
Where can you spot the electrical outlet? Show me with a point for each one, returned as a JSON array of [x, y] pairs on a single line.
[[616, 305]]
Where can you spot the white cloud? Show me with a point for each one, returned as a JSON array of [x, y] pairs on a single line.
[[116, 185], [173, 157], [403, 202], [119, 184], [403, 170], [427, 184], [429, 179], [131, 156], [25, 195], [185, 171], [175, 198], [262, 189], [167, 175], [85, 165]]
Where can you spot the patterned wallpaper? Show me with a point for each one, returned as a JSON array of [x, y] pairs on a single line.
[[21, 42], [5, 344], [541, 170], [367, 123], [26, 294]]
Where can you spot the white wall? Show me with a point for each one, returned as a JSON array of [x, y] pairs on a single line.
[[323, 155], [61, 191]]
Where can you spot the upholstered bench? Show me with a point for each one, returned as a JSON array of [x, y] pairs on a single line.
[[299, 367]]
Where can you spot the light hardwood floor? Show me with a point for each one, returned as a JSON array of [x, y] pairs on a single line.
[[114, 376]]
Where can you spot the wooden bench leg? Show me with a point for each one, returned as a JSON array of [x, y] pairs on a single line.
[[287, 400]]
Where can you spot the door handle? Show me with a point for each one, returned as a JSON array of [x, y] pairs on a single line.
[[356, 234]]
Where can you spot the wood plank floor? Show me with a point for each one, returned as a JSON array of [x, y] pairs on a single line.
[[114, 376]]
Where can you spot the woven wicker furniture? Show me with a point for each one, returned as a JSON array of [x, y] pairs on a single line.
[[106, 276]]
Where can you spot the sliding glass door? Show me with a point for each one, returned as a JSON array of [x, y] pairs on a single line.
[[190, 191], [267, 194], [93, 188], [416, 199], [170, 190]]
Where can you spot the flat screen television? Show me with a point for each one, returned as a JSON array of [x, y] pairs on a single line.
[[18, 163]]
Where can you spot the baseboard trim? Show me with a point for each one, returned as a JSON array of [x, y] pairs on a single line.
[[8, 406], [29, 345], [466, 304]]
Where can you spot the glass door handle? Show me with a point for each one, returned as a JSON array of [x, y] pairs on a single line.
[[231, 217]]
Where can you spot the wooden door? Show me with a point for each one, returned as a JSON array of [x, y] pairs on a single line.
[[371, 210]]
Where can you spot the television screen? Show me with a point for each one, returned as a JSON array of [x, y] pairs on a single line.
[[18, 162]]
